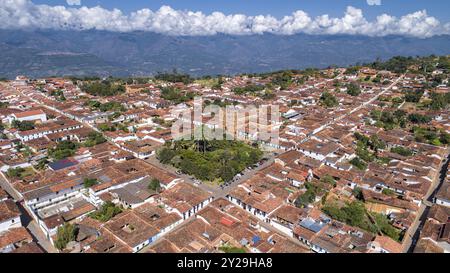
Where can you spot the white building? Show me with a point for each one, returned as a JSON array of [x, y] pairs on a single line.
[[32, 115], [9, 215]]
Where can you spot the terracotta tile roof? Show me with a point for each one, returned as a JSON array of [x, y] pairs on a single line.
[[29, 113], [8, 210], [32, 247], [14, 236], [388, 244]]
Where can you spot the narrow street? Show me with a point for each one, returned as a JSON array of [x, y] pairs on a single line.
[[353, 110], [32, 226], [218, 191], [215, 190], [4, 183], [413, 233], [27, 221]]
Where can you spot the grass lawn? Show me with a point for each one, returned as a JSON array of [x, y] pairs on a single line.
[[27, 172]]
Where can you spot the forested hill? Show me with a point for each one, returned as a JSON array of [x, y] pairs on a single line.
[[78, 53]]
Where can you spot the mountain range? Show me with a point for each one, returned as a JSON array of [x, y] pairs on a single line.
[[40, 53]]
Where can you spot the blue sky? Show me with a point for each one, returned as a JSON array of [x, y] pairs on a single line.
[[278, 8]]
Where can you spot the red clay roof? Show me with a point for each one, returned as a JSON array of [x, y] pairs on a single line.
[[29, 113]]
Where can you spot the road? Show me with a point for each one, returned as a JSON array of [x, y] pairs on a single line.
[[215, 190], [4, 183], [353, 110], [27, 221], [260, 222], [413, 233], [32, 226]]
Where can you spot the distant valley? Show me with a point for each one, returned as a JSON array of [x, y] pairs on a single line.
[[79, 53]]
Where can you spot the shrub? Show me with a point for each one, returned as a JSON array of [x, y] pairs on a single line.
[[65, 234]]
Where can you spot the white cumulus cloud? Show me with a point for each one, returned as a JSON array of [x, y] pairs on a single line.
[[374, 2], [20, 14], [73, 2]]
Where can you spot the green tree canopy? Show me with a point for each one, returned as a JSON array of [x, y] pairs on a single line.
[[65, 234]]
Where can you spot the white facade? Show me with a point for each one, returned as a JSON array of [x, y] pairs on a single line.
[[282, 228], [10, 223], [42, 117], [54, 197], [193, 210], [262, 215], [442, 202]]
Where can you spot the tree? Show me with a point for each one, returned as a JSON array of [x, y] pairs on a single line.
[[397, 64], [305, 199], [383, 224], [402, 151], [63, 150], [398, 100], [22, 125], [94, 138], [15, 172], [106, 212], [227, 173], [353, 89], [42, 163], [65, 234], [388, 192], [418, 118], [444, 138], [375, 114], [328, 100], [376, 143], [252, 88], [104, 127], [328, 179], [89, 182], [104, 88], [414, 96], [308, 197], [112, 106], [92, 104], [232, 249], [358, 163], [209, 160], [283, 79], [353, 214], [358, 193], [174, 77], [352, 70], [439, 101], [154, 185], [58, 94], [176, 95], [165, 155]]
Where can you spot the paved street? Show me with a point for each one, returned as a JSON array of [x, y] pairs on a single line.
[[413, 233], [215, 190], [353, 110], [221, 191], [4, 183], [27, 221], [261, 223]]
